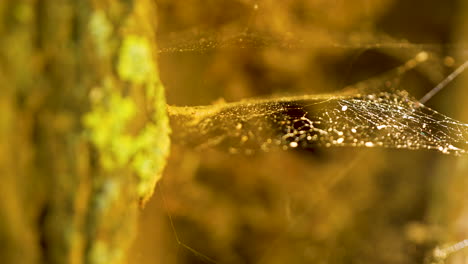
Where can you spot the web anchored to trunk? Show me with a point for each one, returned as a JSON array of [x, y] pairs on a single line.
[[390, 120]]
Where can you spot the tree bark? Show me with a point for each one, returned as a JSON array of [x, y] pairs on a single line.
[[83, 127]]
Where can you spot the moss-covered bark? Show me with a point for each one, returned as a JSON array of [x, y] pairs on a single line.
[[83, 128]]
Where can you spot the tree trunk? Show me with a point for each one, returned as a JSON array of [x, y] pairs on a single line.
[[83, 127]]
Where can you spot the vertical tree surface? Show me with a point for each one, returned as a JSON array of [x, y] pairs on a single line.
[[83, 128]]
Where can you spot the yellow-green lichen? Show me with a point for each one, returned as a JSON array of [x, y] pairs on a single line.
[[108, 121], [136, 61], [153, 143], [101, 254], [23, 12], [101, 31]]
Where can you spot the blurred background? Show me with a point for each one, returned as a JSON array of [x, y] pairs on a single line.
[[336, 205]]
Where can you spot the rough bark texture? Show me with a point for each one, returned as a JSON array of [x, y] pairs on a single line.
[[83, 129]]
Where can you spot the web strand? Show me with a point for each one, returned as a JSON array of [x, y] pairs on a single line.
[[176, 235], [440, 254], [444, 83]]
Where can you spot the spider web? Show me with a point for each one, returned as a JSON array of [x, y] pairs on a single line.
[[370, 118], [196, 41], [389, 120]]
